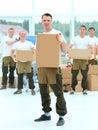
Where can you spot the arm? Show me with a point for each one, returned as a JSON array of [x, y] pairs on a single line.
[[96, 49], [12, 55], [63, 46], [63, 43], [10, 42], [92, 51]]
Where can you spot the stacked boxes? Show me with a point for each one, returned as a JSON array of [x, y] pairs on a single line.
[[67, 79], [93, 78]]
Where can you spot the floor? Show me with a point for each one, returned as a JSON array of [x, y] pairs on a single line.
[[17, 112]]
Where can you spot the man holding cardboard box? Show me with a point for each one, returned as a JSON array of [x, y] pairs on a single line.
[[50, 75], [82, 43], [23, 64]]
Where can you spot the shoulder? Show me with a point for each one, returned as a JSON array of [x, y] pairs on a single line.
[[55, 31], [29, 42]]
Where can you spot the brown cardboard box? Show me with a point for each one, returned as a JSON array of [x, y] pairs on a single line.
[[79, 53], [93, 82], [48, 52], [66, 74], [79, 77], [66, 81], [24, 55], [67, 88], [93, 69], [78, 87]]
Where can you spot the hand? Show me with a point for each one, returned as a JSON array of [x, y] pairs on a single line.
[[15, 60], [33, 51], [59, 37], [67, 56], [92, 56]]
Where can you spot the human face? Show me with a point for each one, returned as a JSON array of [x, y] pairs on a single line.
[[11, 32], [91, 32], [46, 22], [22, 35], [82, 31]]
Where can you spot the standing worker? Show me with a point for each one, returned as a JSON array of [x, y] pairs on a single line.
[[23, 67], [8, 64], [94, 41], [80, 41], [52, 77]]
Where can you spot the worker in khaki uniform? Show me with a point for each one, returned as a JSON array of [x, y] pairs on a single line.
[[8, 65], [23, 66], [51, 76], [81, 41], [94, 41]]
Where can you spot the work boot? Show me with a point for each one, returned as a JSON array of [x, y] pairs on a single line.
[[60, 122], [19, 91], [43, 118], [33, 92]]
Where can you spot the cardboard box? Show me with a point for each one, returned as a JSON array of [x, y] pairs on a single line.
[[79, 77], [24, 55], [79, 53], [93, 82], [78, 87], [67, 88], [48, 53], [66, 74], [93, 69], [66, 81]]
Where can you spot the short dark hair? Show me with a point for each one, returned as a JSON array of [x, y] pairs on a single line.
[[91, 28], [47, 14], [83, 26], [11, 28]]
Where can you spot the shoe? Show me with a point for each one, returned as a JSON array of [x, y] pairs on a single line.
[[33, 92], [11, 85], [85, 92], [60, 122], [43, 118], [3, 87], [72, 92], [18, 92]]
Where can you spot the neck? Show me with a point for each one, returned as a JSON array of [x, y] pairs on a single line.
[[22, 40], [82, 36], [47, 29], [91, 36]]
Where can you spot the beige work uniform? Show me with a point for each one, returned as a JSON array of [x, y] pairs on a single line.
[[24, 66], [47, 75], [79, 64], [8, 61]]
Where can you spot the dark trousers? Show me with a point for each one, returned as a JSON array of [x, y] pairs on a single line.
[[46, 99], [11, 74], [5, 72], [84, 78], [30, 80]]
